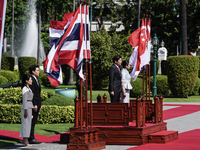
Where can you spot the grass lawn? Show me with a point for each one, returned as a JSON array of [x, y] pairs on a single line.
[[189, 99], [42, 129], [94, 92]]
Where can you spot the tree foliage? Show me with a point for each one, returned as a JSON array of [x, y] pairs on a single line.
[[165, 21], [101, 56], [193, 22], [20, 17], [51, 9]]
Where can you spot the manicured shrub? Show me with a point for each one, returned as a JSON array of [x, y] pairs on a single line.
[[40, 76], [137, 88], [24, 63], [45, 81], [182, 74], [49, 114], [3, 80], [56, 114], [199, 66], [14, 95], [11, 96], [195, 90], [7, 63], [17, 73], [59, 100], [10, 75], [161, 84]]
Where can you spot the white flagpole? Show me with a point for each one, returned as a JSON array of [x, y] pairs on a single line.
[[2, 21]]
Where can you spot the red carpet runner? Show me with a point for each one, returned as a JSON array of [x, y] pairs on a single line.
[[179, 111], [42, 138], [187, 140]]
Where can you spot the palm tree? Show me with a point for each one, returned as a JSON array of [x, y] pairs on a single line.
[[183, 18]]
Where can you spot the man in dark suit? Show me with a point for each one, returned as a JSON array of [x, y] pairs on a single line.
[[115, 83], [36, 89]]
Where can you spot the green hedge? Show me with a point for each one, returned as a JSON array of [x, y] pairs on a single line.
[[7, 63], [161, 84], [48, 114], [59, 100], [10, 75], [3, 80], [199, 66], [24, 63], [137, 87], [40, 76], [182, 74], [195, 89], [45, 81], [14, 95]]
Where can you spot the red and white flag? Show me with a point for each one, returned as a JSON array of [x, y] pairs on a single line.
[[3, 4], [67, 46], [140, 39]]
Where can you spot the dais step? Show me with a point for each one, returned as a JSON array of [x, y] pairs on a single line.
[[163, 137]]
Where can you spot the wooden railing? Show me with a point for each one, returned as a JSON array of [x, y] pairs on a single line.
[[120, 114]]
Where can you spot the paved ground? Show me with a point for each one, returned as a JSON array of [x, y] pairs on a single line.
[[182, 124]]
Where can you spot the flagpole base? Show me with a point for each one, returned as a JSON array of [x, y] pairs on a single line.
[[85, 139]]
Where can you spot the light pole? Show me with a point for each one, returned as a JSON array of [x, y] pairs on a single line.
[[177, 3], [155, 47]]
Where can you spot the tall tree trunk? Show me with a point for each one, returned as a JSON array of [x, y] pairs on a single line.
[[183, 18], [139, 3]]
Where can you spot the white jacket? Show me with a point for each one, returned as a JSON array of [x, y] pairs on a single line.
[[126, 79], [27, 96]]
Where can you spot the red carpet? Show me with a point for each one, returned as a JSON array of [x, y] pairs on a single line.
[[186, 141], [180, 111], [42, 138]]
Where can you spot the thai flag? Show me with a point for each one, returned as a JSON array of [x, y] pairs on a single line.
[[67, 45]]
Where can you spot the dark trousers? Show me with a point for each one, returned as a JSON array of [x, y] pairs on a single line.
[[115, 98], [34, 120]]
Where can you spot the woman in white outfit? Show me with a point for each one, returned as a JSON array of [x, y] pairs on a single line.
[[26, 109], [126, 86]]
